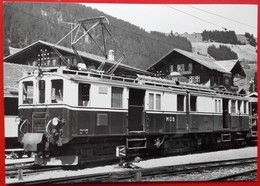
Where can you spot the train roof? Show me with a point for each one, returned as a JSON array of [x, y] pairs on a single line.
[[141, 81]]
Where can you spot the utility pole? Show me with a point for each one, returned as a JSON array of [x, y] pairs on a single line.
[[196, 42]]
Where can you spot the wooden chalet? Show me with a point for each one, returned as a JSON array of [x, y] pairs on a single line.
[[12, 73], [42, 53], [183, 66]]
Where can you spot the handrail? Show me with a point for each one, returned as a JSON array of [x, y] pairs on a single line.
[[47, 126], [20, 128]]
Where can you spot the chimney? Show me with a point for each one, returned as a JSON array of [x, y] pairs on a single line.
[[111, 55]]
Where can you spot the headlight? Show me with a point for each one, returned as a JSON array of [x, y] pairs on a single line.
[[17, 120], [55, 121]]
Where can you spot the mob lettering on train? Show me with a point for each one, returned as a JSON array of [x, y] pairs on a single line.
[[169, 119]]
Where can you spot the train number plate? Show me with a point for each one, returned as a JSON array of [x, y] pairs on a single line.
[[83, 131]]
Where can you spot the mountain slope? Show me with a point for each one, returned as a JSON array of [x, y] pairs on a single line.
[[25, 23]]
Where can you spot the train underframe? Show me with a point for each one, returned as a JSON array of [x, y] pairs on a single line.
[[83, 150]]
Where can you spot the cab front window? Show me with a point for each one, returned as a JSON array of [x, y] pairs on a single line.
[[57, 91], [27, 92]]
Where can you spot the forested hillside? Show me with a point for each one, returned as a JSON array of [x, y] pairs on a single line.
[[25, 23], [227, 37]]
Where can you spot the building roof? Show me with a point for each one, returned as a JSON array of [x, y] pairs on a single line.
[[27, 52], [12, 73], [232, 66], [222, 66]]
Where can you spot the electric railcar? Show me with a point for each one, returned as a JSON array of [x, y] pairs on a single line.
[[70, 117]]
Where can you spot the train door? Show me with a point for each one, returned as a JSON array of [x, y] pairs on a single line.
[[188, 116], [240, 122], [226, 115], [135, 110]]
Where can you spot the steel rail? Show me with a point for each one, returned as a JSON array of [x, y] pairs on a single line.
[[138, 173], [224, 178]]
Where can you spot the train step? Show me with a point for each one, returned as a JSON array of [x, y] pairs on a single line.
[[226, 137], [136, 132], [136, 143]]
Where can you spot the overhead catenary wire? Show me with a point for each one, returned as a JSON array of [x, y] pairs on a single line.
[[221, 16], [196, 17]]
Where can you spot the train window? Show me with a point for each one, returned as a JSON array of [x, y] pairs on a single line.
[[245, 107], [239, 106], [233, 106], [83, 94], [151, 101], [28, 92], [158, 101], [117, 97], [41, 91], [219, 105], [193, 103], [180, 102], [57, 91]]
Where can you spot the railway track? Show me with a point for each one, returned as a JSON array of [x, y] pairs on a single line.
[[138, 174], [235, 176], [27, 170]]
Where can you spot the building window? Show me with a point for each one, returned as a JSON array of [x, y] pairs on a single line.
[[193, 103], [57, 91], [117, 97], [41, 91], [28, 92], [171, 68], [180, 102], [83, 94], [226, 81], [190, 67], [54, 62], [180, 68], [151, 101], [75, 61], [233, 106], [194, 79], [158, 102]]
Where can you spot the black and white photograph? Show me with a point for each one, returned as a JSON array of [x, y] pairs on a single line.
[[107, 93]]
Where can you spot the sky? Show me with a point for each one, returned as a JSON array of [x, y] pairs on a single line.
[[185, 18]]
